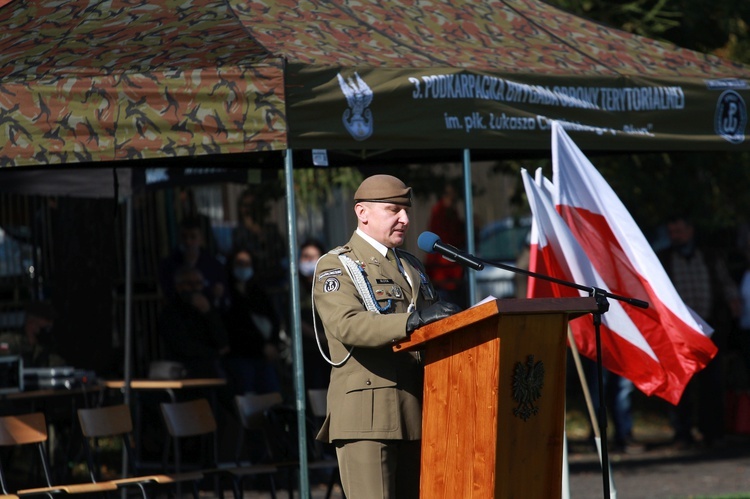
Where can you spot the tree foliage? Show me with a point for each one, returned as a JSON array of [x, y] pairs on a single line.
[[717, 27], [314, 187], [710, 187]]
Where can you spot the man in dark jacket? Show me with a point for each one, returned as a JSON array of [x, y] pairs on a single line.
[[702, 280], [192, 328]]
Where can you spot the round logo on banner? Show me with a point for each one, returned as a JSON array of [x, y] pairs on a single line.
[[731, 117]]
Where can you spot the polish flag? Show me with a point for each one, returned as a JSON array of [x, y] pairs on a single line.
[[623, 257], [624, 349], [538, 288]]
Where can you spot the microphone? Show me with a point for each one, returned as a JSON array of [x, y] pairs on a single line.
[[431, 243]]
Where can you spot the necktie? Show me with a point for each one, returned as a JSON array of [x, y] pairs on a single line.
[[391, 255]]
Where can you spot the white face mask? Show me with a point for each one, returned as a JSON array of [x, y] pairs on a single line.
[[307, 268], [243, 274]]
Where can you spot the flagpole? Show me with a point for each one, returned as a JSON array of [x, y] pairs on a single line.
[[591, 411], [600, 295]]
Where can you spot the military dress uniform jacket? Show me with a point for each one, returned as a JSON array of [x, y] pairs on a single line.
[[376, 393]]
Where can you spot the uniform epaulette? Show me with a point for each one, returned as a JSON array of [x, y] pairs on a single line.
[[340, 250]]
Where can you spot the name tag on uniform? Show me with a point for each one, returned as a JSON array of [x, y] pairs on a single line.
[[384, 281]]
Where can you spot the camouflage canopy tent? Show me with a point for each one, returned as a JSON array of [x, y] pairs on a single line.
[[122, 80], [93, 82]]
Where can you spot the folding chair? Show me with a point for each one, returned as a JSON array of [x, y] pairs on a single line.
[[30, 430], [115, 421], [277, 424], [317, 398], [196, 419], [250, 409]]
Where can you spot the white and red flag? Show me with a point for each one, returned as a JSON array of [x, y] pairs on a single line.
[[538, 287], [625, 350], [622, 256]]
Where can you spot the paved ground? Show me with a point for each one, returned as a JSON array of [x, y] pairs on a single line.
[[659, 472]]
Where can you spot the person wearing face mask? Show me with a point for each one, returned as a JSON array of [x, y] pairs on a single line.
[[317, 370], [253, 329]]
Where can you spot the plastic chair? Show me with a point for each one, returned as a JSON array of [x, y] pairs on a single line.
[[115, 421], [31, 430], [196, 419]]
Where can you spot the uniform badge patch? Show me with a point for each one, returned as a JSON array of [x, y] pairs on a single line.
[[331, 284], [328, 273]]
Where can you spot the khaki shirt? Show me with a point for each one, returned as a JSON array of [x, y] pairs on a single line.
[[376, 393]]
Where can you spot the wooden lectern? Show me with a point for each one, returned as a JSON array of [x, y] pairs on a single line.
[[494, 399]]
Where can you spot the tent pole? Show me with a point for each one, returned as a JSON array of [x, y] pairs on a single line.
[[469, 197], [296, 326], [127, 373]]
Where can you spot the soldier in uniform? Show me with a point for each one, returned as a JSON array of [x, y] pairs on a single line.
[[369, 295]]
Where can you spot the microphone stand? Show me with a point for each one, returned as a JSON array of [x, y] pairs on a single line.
[[600, 295]]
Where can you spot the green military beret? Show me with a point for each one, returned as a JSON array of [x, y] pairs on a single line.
[[383, 189]]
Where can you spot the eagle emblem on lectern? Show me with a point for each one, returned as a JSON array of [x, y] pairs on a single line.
[[528, 381]]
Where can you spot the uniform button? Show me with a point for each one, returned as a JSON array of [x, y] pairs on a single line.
[[368, 382]]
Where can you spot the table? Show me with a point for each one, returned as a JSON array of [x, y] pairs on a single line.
[[167, 385], [46, 393]]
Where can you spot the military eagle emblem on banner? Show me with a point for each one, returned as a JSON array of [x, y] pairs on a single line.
[[357, 118]]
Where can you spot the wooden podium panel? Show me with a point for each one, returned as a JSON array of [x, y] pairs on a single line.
[[483, 437]]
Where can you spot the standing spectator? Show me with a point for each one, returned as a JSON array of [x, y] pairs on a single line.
[[447, 276], [253, 328], [317, 368], [186, 207], [743, 332], [261, 238], [191, 327], [702, 280], [192, 253], [618, 394], [254, 233]]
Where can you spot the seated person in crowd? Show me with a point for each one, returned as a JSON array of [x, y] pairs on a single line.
[[192, 329], [35, 342], [253, 328], [192, 253]]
